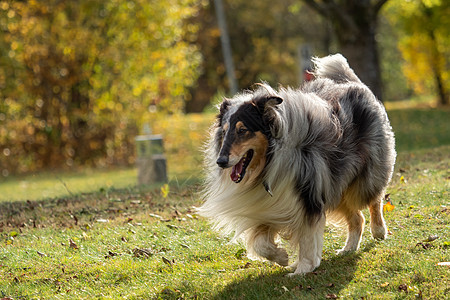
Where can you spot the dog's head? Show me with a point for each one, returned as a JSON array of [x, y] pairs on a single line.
[[243, 135]]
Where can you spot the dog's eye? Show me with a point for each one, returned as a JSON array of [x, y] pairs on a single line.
[[242, 130]]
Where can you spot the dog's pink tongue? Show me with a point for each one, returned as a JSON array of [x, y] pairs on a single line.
[[236, 170]]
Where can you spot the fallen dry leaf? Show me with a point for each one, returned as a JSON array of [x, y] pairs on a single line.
[[75, 219], [167, 261], [424, 245], [146, 253], [111, 254], [72, 244], [403, 287]]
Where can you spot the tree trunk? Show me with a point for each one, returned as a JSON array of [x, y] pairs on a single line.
[[436, 58], [362, 55], [354, 23]]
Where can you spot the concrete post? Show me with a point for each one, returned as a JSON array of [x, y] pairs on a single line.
[[151, 161]]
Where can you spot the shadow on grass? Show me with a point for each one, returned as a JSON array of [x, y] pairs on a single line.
[[86, 207], [333, 275]]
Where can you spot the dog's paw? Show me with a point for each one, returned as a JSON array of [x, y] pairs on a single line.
[[303, 268], [293, 274], [293, 266], [342, 251], [379, 232], [345, 250]]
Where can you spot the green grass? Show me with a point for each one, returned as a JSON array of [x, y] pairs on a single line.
[[187, 260], [51, 185], [420, 128]]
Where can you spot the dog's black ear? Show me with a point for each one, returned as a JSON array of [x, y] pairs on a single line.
[[223, 109], [273, 101], [266, 106], [265, 102]]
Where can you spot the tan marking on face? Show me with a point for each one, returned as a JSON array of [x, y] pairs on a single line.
[[259, 144], [240, 125]]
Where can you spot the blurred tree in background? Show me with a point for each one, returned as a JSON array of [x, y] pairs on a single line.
[[265, 40], [76, 77], [424, 30]]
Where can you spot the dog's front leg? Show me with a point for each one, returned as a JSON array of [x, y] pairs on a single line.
[[262, 241], [310, 247]]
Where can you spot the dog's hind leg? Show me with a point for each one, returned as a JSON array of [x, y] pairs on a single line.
[[310, 248], [355, 221], [377, 224], [262, 241]]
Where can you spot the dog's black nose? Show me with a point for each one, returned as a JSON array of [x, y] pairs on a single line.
[[222, 161]]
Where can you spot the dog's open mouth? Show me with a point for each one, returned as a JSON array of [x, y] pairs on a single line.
[[238, 170]]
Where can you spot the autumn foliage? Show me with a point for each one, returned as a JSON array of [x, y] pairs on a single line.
[[77, 77]]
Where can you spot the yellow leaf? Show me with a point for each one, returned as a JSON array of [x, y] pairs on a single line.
[[165, 190], [388, 206]]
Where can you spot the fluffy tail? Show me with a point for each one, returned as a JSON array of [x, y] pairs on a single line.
[[334, 67]]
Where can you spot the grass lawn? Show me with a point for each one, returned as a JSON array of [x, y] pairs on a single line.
[[147, 243], [62, 184]]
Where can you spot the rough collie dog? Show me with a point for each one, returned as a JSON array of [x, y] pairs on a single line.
[[279, 162]]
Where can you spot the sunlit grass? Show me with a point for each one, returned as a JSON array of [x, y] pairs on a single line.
[[415, 102], [50, 185], [420, 128], [187, 260]]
